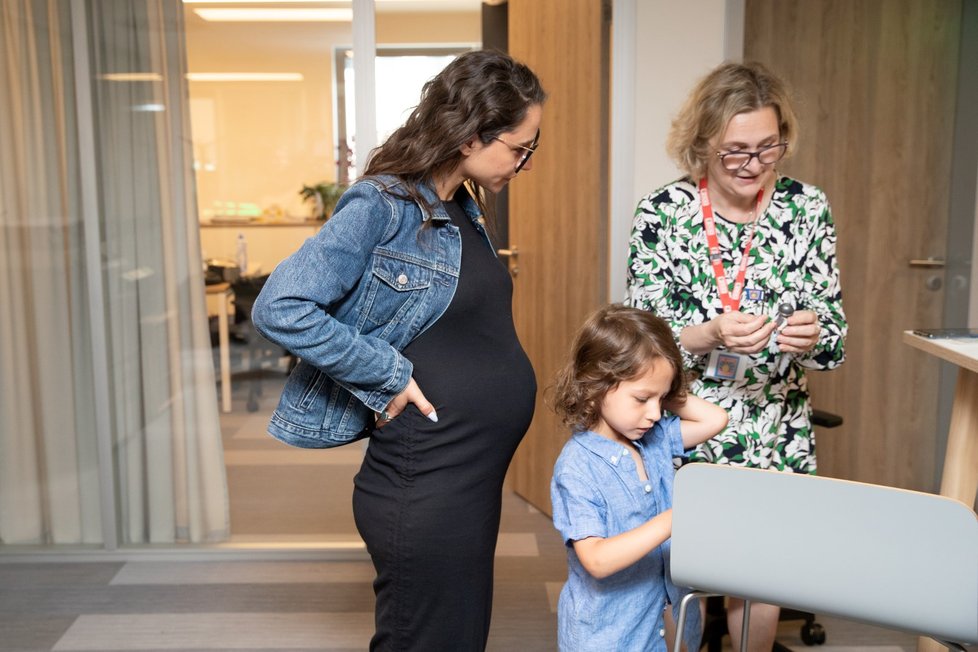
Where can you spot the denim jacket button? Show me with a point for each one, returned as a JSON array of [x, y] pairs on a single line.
[[402, 279]]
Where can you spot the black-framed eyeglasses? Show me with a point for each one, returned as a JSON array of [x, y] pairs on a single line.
[[738, 160], [527, 150]]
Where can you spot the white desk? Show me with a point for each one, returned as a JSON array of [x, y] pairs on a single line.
[[219, 296], [960, 477]]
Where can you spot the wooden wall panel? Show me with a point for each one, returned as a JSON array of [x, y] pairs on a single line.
[[875, 82], [558, 214]]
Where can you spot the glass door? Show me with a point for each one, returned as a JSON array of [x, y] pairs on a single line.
[[158, 162], [274, 107]]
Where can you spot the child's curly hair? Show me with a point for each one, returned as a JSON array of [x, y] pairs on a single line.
[[616, 343]]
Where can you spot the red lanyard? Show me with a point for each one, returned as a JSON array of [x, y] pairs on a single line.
[[730, 300]]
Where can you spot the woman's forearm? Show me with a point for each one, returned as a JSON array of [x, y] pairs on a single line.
[[699, 339]]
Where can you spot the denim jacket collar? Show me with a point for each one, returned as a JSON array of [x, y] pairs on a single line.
[[427, 190]]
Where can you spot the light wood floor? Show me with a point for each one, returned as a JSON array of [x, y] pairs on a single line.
[[277, 494]]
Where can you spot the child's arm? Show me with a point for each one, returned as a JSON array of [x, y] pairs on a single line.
[[604, 557], [698, 419]]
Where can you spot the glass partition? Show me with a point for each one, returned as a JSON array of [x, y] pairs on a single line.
[[108, 423], [156, 165]]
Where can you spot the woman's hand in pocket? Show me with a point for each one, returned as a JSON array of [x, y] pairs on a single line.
[[411, 394]]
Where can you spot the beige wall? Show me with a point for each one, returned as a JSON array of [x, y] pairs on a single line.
[[662, 49], [266, 139], [263, 139], [672, 56], [267, 245], [429, 27]]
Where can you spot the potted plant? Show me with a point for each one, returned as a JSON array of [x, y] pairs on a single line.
[[323, 197]]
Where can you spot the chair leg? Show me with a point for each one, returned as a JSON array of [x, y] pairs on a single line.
[[681, 621], [745, 627]]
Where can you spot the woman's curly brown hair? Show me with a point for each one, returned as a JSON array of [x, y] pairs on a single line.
[[480, 94], [616, 343]]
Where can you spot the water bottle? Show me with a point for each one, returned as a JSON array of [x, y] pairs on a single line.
[[241, 256]]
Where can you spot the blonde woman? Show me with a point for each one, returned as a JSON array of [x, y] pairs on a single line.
[[740, 261]]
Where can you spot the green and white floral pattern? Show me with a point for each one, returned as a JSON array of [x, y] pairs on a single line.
[[792, 260]]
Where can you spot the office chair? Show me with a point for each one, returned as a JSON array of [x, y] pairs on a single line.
[[887, 557], [261, 353], [812, 632]]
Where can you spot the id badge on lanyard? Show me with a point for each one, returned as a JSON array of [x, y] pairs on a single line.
[[726, 365]]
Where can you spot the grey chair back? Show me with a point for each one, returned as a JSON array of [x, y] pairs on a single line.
[[894, 558]]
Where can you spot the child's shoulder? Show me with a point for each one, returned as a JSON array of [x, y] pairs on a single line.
[[572, 449], [580, 451]]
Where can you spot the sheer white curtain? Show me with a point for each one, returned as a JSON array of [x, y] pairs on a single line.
[[48, 471], [168, 469]]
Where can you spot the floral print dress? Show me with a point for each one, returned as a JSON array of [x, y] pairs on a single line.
[[792, 259]]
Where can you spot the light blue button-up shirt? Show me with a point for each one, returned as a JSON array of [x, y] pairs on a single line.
[[596, 492]]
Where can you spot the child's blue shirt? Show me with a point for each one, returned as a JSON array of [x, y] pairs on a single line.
[[596, 492]]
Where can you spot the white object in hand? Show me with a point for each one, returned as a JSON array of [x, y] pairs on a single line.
[[785, 310]]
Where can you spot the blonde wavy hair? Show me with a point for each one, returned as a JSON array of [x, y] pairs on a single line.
[[730, 89]]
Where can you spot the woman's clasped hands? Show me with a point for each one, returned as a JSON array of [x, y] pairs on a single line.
[[742, 332], [799, 333]]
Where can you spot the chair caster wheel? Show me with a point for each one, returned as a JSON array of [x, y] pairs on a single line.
[[812, 634]]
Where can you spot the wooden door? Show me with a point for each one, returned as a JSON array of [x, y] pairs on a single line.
[[558, 211], [875, 82]]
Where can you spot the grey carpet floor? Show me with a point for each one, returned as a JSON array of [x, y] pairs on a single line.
[[282, 494]]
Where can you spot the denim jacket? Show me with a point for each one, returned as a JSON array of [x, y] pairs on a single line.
[[349, 300]]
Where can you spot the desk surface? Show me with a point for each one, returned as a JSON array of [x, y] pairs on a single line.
[[962, 352], [216, 288], [258, 222]]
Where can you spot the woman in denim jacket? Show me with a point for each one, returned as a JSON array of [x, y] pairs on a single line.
[[401, 315]]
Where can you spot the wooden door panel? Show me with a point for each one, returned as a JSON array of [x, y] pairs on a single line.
[[558, 210], [875, 82]]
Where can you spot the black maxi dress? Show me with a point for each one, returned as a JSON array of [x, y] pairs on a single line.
[[427, 498]]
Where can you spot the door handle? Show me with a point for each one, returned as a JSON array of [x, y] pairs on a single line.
[[929, 262], [512, 259]]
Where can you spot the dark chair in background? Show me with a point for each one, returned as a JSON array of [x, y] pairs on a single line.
[[812, 633], [263, 357]]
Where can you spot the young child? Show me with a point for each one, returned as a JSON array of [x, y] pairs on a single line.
[[623, 394]]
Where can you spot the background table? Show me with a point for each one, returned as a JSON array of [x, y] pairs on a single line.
[[959, 479], [219, 296]]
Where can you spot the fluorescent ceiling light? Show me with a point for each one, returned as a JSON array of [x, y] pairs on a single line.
[[131, 76], [264, 2], [276, 15], [243, 76]]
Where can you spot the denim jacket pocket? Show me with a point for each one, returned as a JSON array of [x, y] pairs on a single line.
[[316, 412], [397, 290]]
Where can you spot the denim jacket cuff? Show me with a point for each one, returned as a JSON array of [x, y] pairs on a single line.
[[379, 399]]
